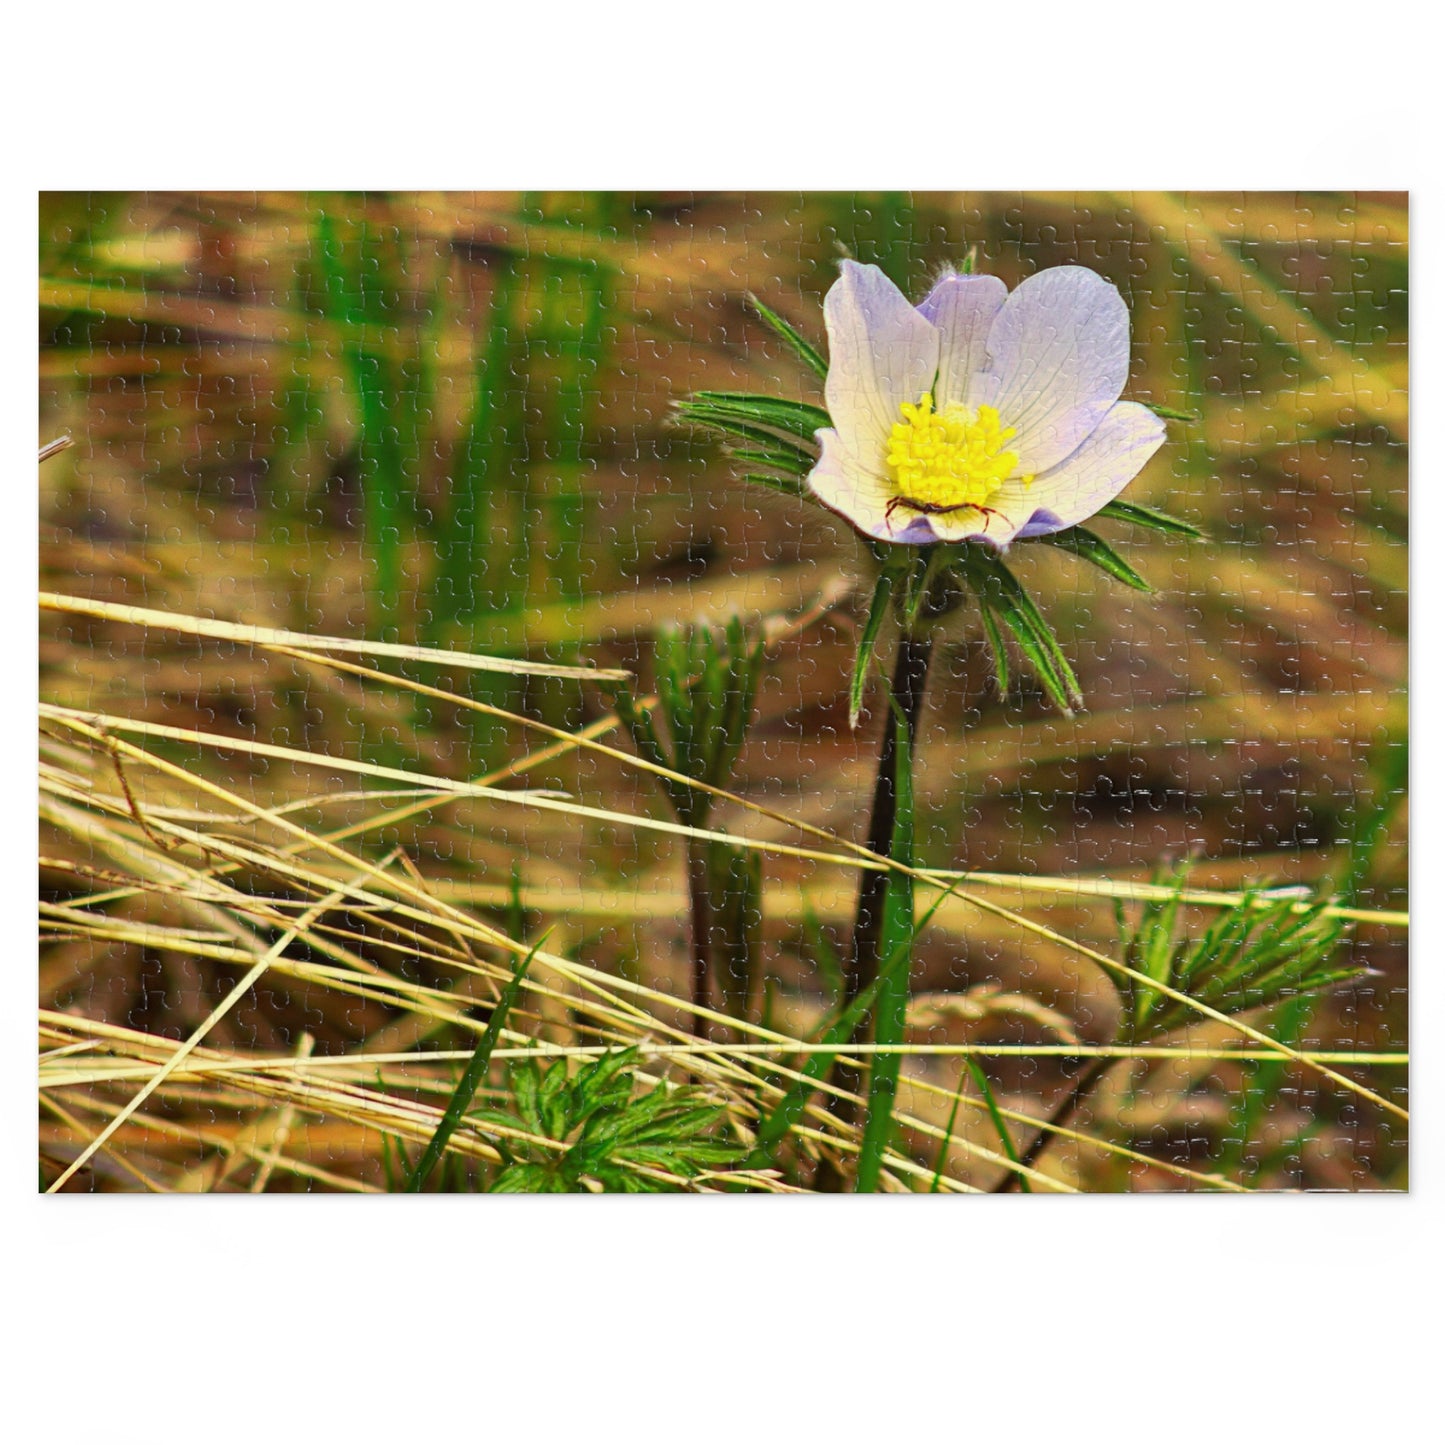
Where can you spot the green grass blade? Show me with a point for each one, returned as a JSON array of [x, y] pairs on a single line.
[[947, 1134], [353, 299], [1365, 842], [790, 1107], [999, 1127], [839, 1032], [471, 1079]]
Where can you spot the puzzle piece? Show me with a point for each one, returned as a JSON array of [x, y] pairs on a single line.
[[412, 818]]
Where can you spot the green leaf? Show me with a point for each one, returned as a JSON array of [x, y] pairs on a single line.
[[1254, 955], [745, 426], [472, 1076], [824, 954], [785, 486], [606, 1129], [525, 1077], [527, 1179], [783, 459], [947, 1135], [1371, 830], [804, 351], [999, 1127], [815, 1067], [1091, 548], [998, 588], [996, 647], [552, 1104], [1152, 953], [877, 611], [353, 268], [796, 418], [1150, 518]]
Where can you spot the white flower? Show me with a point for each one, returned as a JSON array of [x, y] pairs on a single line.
[[979, 414]]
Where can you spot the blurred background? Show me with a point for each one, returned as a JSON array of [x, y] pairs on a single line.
[[444, 420]]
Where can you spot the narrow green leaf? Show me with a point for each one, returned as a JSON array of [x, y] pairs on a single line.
[[996, 646], [839, 1032], [790, 1107], [947, 1134], [1367, 836], [783, 459], [477, 550], [999, 1127], [824, 954], [735, 882], [784, 486], [352, 295], [1091, 548], [1154, 947], [805, 352], [798, 418], [746, 428], [877, 611], [525, 1078], [1149, 517], [998, 588], [471, 1077]]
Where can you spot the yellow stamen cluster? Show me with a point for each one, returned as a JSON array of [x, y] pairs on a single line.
[[951, 459]]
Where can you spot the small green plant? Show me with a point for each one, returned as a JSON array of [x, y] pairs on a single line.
[[612, 1139], [707, 683], [1271, 946]]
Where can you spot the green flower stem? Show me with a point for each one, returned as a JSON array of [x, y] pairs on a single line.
[[860, 970], [1063, 1112], [910, 675]]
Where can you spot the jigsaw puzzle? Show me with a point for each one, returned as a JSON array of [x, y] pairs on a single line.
[[723, 693]]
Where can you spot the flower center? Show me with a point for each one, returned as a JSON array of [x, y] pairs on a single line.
[[943, 461]]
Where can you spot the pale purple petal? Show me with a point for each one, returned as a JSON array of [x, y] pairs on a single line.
[[881, 353], [963, 309], [1060, 350], [855, 490], [1110, 458]]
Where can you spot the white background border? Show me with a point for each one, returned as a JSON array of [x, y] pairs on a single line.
[[1080, 1319]]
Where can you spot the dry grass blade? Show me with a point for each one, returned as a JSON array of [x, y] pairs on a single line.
[[236, 994], [278, 638]]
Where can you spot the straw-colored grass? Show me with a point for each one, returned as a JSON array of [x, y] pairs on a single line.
[[305, 887]]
